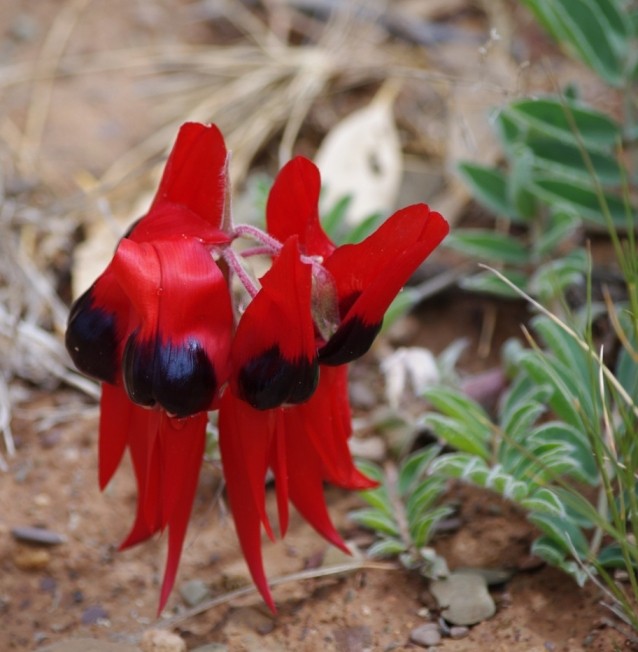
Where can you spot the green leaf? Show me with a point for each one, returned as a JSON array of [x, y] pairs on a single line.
[[461, 466], [490, 246], [465, 425], [386, 548], [575, 197], [522, 391], [521, 171], [544, 462], [334, 219], [591, 29], [552, 118], [455, 404], [581, 458], [553, 278], [544, 500], [564, 346], [455, 433], [547, 549], [375, 520], [505, 484], [422, 531], [488, 283], [414, 467], [627, 368], [518, 422], [509, 131], [488, 186], [422, 499], [378, 499], [611, 556], [567, 159], [563, 401], [400, 306], [561, 226], [562, 531]]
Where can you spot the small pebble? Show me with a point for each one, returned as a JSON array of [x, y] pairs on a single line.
[[161, 640], [48, 585], [458, 631], [31, 559], [93, 614], [194, 592], [427, 635], [37, 536]]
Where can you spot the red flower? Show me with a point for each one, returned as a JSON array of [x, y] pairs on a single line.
[[367, 276], [158, 329], [305, 445]]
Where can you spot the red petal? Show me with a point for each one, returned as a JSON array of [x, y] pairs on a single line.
[[115, 420], [327, 430], [293, 207], [136, 267], [144, 446], [279, 466], [370, 274], [274, 351], [245, 437], [195, 174], [179, 351], [305, 481], [172, 221], [182, 449]]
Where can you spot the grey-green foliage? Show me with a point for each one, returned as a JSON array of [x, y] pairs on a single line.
[[405, 508], [548, 437], [561, 168]]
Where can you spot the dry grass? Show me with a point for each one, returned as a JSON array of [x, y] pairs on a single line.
[[261, 86]]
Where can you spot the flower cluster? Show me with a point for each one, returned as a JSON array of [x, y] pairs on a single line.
[[162, 330]]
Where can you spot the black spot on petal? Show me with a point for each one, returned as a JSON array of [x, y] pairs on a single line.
[[91, 339], [185, 380], [269, 380], [352, 339], [179, 377], [137, 365]]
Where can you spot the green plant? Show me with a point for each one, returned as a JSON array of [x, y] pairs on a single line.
[[405, 508], [562, 444], [561, 160]]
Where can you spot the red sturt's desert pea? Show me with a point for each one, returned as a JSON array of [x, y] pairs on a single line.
[[161, 330]]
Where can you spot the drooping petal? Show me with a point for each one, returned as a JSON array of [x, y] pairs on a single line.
[[195, 174], [167, 455], [95, 328], [293, 207], [183, 442], [245, 439], [177, 353], [279, 465], [115, 421], [274, 353], [370, 274], [305, 479], [324, 423], [145, 448]]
